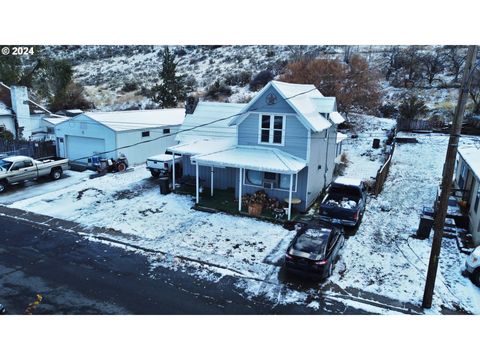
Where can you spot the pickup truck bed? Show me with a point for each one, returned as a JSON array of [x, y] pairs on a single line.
[[344, 202]]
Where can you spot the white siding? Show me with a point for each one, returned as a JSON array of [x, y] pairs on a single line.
[[138, 154]]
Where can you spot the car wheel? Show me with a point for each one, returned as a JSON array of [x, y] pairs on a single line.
[[3, 186], [121, 167], [475, 277], [56, 174], [155, 174]]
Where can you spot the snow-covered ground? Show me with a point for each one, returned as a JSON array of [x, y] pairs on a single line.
[[381, 258], [131, 203], [363, 160]]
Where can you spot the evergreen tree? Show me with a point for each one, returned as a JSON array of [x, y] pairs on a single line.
[[171, 88]]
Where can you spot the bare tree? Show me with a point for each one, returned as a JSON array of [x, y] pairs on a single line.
[[474, 91], [434, 64], [455, 57], [355, 85]]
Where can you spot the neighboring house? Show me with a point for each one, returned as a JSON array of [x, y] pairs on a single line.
[[284, 141], [467, 178], [20, 115], [137, 134]]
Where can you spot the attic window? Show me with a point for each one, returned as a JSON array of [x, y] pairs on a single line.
[[145, 133], [271, 129]]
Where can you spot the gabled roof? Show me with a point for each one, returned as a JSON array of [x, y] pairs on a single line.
[[54, 120], [306, 101], [209, 112], [471, 155], [137, 119]]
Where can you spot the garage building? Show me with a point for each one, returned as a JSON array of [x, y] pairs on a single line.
[[109, 134]]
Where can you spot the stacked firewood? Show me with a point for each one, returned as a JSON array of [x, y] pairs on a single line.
[[261, 197]]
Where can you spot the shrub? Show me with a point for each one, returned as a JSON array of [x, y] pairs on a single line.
[[129, 86], [388, 110], [241, 78], [412, 108], [217, 90], [260, 80]]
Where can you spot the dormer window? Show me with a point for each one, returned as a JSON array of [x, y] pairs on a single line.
[[271, 129]]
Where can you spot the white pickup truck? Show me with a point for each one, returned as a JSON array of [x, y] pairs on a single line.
[[162, 164], [17, 169]]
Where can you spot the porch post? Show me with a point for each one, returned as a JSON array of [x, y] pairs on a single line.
[[290, 198], [240, 190], [211, 181], [197, 196], [173, 173]]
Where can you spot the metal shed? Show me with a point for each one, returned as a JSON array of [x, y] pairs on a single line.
[[138, 134]]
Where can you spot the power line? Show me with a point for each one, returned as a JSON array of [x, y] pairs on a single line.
[[190, 129]]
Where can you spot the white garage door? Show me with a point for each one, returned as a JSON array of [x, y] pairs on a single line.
[[78, 147]]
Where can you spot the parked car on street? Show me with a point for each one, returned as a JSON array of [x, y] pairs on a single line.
[[472, 265], [314, 250], [17, 169], [161, 165], [344, 202]]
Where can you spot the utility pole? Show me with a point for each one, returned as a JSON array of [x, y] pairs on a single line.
[[448, 169]]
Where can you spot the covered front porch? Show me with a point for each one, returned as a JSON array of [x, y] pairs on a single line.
[[264, 177]]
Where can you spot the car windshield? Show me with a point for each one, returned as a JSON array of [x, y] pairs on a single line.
[[5, 165], [312, 241]]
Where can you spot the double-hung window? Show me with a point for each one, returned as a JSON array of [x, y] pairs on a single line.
[[272, 129]]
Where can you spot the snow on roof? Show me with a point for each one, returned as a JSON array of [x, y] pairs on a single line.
[[336, 117], [253, 158], [308, 103], [54, 120], [300, 97], [205, 113], [4, 110], [203, 146], [341, 137], [471, 155], [343, 180], [138, 119], [325, 104]]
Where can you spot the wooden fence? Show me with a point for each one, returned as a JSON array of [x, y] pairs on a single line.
[[382, 173], [415, 125], [34, 149]]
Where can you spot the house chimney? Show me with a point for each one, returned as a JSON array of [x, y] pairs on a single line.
[[20, 107], [190, 104]]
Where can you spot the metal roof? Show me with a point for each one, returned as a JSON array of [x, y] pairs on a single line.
[[137, 119], [253, 158]]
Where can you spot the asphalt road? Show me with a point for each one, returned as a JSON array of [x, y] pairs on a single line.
[[78, 276]]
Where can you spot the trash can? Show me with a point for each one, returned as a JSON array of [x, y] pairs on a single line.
[[164, 185], [376, 143], [425, 227]]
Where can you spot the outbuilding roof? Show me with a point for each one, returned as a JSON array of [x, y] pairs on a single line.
[[471, 155], [54, 120], [253, 158], [137, 119]]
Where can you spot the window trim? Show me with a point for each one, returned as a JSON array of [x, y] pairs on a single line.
[[271, 129], [295, 181], [477, 199]]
